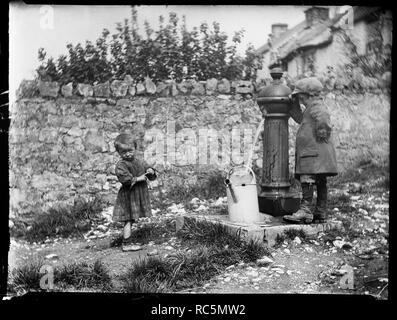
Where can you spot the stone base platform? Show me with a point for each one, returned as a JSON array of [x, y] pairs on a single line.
[[266, 231]]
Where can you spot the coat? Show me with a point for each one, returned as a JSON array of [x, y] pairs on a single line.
[[133, 199], [312, 156]]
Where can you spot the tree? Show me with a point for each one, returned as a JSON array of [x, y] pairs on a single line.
[[171, 52]]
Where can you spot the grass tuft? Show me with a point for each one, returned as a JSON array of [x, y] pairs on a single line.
[[83, 275], [157, 232], [76, 275], [59, 221], [26, 277], [214, 250]]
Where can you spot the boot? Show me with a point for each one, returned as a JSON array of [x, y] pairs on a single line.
[[320, 212], [304, 214]]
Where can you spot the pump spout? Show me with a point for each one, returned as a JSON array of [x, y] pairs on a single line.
[[229, 186]]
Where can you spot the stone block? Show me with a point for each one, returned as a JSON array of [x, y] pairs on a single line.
[[129, 80], [85, 90], [163, 89], [102, 90], [119, 88], [140, 88], [185, 86], [266, 231], [211, 85], [48, 89], [94, 142], [27, 89], [224, 86], [198, 89], [150, 86], [132, 90], [67, 90], [124, 103], [174, 90], [244, 87]]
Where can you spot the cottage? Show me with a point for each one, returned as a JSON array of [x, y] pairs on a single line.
[[321, 40]]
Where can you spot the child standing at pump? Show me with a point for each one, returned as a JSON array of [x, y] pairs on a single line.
[[133, 199], [315, 157]]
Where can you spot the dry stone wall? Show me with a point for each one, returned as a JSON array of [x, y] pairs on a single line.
[[61, 137]]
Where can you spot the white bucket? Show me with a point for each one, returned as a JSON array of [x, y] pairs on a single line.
[[242, 198]]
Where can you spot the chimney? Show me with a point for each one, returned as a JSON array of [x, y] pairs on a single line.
[[315, 15], [278, 29]]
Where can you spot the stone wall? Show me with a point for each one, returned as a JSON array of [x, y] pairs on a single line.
[[61, 144]]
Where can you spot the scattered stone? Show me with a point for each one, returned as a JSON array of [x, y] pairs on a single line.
[[201, 208], [264, 261], [102, 228], [195, 201], [48, 89], [338, 243], [287, 251], [252, 273], [51, 256], [132, 247], [355, 187], [227, 279], [150, 86], [297, 240], [153, 253], [67, 89], [102, 89], [363, 211], [169, 248], [119, 88]]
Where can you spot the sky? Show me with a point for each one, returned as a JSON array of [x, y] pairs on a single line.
[[52, 27]]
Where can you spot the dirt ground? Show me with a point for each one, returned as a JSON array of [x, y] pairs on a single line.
[[313, 265]]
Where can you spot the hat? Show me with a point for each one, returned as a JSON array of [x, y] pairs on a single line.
[[309, 85]]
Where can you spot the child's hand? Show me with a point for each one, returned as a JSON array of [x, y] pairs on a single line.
[[150, 171], [141, 178]]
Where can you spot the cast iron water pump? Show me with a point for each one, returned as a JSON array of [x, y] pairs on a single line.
[[276, 197]]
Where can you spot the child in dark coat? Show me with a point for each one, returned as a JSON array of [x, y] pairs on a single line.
[[133, 199]]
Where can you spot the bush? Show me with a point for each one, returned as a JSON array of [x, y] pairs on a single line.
[[171, 52]]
